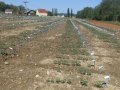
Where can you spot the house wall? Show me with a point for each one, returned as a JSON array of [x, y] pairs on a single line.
[[8, 12], [41, 14]]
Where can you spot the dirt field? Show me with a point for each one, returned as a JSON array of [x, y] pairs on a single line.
[[105, 24], [58, 58]]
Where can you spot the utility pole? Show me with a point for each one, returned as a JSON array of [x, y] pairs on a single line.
[[25, 2]]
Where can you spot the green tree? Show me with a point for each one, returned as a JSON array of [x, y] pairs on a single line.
[[68, 12], [49, 13], [2, 6], [107, 10], [16, 9], [85, 13], [71, 14], [21, 9]]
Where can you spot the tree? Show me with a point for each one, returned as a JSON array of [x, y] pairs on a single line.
[[54, 11], [16, 9], [49, 13], [68, 12], [21, 9], [2, 6], [107, 10], [86, 13], [71, 14]]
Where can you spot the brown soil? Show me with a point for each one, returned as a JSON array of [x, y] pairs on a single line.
[[108, 57], [105, 24], [34, 64]]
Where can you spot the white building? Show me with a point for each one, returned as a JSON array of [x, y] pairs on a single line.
[[41, 12], [8, 11]]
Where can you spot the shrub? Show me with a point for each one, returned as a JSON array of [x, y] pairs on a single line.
[[100, 84], [69, 81], [58, 69], [84, 71], [65, 62], [63, 81], [57, 62], [84, 82], [75, 63], [50, 80], [58, 80]]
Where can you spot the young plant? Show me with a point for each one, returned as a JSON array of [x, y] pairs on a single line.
[[84, 82], [100, 84], [76, 63], [84, 71]]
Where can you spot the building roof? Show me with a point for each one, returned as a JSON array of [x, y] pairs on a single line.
[[31, 11], [42, 11]]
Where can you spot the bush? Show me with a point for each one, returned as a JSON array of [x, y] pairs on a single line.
[[58, 80], [58, 69], [75, 63], [84, 71], [50, 80], [69, 81], [100, 84], [63, 81], [84, 82]]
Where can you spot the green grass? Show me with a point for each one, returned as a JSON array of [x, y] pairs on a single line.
[[71, 43], [3, 49], [59, 81], [84, 71], [104, 37]]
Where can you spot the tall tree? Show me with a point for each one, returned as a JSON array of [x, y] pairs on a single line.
[[49, 13], [68, 12], [107, 10], [2, 6], [71, 14], [86, 13]]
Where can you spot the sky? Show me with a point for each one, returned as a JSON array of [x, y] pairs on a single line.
[[61, 5]]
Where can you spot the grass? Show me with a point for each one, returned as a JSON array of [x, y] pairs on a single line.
[[71, 43], [59, 81], [3, 49], [67, 62], [58, 69], [17, 40], [84, 71], [61, 62], [104, 37]]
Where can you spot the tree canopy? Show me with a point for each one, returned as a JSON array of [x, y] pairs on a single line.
[[107, 10], [16, 9]]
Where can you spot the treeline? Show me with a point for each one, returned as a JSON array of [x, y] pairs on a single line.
[[16, 9], [108, 10]]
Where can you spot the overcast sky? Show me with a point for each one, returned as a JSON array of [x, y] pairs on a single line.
[[61, 5]]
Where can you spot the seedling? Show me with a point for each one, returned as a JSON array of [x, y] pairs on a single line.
[[58, 69], [63, 81], [100, 84], [75, 63], [69, 81], [58, 80], [84, 71], [84, 82]]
